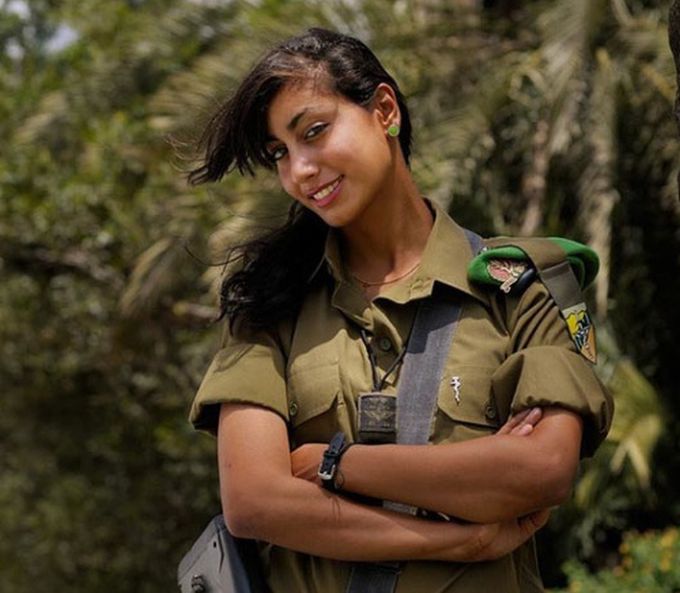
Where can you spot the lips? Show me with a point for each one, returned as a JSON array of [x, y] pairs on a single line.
[[325, 190]]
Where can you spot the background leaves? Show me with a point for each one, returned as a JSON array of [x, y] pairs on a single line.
[[551, 117]]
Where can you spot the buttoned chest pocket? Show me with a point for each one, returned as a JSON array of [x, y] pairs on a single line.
[[466, 407], [315, 405]]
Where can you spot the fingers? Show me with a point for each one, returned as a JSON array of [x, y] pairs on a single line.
[[534, 416], [497, 539], [513, 422], [523, 423], [539, 518], [531, 523], [522, 431], [529, 422]]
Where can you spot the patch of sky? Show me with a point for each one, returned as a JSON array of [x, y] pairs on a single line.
[[18, 7], [61, 39]]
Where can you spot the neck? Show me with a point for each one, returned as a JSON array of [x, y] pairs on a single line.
[[389, 238]]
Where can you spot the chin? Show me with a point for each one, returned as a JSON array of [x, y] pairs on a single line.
[[336, 222], [347, 210], [336, 216]]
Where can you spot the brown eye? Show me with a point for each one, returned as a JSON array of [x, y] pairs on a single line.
[[315, 130], [277, 153]]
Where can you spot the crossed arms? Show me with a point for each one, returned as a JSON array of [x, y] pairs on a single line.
[[501, 483]]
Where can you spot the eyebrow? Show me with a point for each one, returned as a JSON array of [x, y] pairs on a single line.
[[291, 124], [296, 118]]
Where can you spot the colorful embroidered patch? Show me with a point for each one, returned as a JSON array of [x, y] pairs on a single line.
[[581, 330], [506, 271]]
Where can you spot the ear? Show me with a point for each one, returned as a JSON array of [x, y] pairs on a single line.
[[385, 106]]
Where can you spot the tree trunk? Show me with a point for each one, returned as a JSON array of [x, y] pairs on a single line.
[[674, 37]]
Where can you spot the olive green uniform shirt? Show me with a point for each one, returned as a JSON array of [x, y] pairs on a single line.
[[509, 353]]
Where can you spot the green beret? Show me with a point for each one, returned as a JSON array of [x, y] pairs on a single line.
[[583, 260]]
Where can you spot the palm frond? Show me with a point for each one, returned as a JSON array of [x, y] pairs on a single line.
[[151, 277], [597, 185], [636, 428], [568, 28]]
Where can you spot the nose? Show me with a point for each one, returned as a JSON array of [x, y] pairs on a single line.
[[303, 168]]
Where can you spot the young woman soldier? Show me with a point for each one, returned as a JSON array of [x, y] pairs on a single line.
[[320, 312]]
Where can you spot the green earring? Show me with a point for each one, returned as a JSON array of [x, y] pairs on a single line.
[[393, 130]]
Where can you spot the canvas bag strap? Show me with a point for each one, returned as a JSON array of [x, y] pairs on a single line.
[[431, 339]]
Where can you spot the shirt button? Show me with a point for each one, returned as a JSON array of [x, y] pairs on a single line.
[[385, 344], [490, 411], [293, 409]]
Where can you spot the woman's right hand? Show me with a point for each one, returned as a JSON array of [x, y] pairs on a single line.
[[492, 541]]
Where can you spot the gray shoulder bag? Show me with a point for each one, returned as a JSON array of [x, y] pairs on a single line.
[[220, 563]]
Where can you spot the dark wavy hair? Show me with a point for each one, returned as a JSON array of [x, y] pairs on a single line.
[[277, 267]]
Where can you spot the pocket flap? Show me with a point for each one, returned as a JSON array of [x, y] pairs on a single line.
[[312, 391], [468, 397]]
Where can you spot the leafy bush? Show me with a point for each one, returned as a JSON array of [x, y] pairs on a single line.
[[650, 562]]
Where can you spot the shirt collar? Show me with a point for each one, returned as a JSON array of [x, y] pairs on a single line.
[[445, 259]]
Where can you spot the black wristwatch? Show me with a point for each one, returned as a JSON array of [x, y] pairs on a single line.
[[331, 460]]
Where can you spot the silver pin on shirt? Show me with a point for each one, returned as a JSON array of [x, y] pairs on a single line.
[[456, 385]]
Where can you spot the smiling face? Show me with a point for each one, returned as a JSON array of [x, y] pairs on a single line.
[[332, 155]]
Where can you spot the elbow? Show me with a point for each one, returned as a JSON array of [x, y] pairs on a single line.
[[243, 514], [557, 472], [562, 488]]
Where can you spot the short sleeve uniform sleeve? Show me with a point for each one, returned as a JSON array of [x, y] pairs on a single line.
[[543, 368], [248, 369]]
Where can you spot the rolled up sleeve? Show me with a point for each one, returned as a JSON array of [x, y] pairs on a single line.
[[246, 369], [544, 369]]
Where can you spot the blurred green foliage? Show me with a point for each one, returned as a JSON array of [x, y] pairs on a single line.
[[548, 117], [649, 562]]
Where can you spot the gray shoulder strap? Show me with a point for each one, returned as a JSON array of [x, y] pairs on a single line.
[[476, 242], [426, 352], [431, 339]]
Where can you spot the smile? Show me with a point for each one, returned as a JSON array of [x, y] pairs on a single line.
[[322, 196]]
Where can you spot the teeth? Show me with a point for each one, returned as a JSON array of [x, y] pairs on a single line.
[[326, 191]]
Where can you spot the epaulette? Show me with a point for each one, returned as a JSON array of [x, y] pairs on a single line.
[[565, 267]]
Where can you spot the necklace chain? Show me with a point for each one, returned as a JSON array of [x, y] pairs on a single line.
[[366, 283]]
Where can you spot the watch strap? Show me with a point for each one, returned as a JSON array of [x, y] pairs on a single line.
[[331, 460]]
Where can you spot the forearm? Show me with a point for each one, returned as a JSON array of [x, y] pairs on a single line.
[[481, 483], [262, 499], [301, 516], [487, 479]]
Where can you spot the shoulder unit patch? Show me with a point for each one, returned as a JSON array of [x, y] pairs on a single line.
[[565, 267], [581, 330]]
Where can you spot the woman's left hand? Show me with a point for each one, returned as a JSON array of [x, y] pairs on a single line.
[[522, 424], [305, 461]]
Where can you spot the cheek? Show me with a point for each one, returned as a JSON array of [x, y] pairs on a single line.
[[284, 179], [367, 150]]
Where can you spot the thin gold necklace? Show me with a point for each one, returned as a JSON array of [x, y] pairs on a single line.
[[367, 283]]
